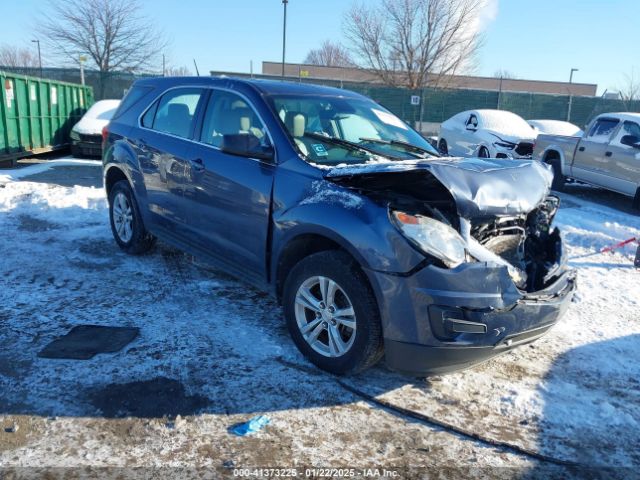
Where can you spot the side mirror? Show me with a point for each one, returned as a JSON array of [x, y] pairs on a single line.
[[630, 141], [246, 145]]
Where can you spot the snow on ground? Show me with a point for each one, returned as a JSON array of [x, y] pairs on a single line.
[[215, 352]]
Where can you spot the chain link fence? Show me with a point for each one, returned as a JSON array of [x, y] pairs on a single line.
[[434, 107]]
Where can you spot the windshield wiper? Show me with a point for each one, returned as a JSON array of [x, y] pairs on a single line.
[[399, 143], [348, 144]]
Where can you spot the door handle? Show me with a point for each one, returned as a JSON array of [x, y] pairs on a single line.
[[197, 164], [608, 154], [581, 149]]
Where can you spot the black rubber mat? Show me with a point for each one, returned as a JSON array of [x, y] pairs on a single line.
[[85, 341]]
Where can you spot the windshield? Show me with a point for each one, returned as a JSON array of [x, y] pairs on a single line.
[[334, 130]]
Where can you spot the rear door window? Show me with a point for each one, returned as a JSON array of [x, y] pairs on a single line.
[[134, 94], [602, 130], [175, 112]]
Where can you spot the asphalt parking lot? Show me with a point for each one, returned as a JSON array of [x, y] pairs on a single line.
[[210, 352]]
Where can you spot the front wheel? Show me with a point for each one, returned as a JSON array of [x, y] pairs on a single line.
[[483, 152], [126, 222], [331, 313]]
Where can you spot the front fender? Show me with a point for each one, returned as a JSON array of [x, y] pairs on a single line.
[[353, 221]]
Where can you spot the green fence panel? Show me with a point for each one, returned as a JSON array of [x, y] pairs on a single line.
[[436, 105], [37, 114]]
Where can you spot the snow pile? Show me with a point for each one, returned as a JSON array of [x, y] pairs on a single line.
[[323, 192], [505, 123], [574, 394]]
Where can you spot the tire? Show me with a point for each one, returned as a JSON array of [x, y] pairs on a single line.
[[636, 202], [126, 222], [558, 179], [364, 346], [483, 153], [443, 148]]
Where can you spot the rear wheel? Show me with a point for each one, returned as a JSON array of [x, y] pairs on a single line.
[[331, 313], [443, 147], [126, 222], [558, 179]]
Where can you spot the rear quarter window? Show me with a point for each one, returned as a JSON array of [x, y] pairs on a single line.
[[132, 97]]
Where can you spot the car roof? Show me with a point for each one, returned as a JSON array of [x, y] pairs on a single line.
[[265, 87], [549, 121], [633, 116]]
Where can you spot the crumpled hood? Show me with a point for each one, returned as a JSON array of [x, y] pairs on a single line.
[[480, 187]]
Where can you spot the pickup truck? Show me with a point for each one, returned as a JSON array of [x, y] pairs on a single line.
[[607, 155]]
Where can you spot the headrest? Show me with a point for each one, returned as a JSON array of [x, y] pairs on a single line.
[[296, 123], [178, 110], [244, 118]]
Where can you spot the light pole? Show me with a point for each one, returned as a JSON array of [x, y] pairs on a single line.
[[39, 55], [570, 95], [284, 34], [81, 60]]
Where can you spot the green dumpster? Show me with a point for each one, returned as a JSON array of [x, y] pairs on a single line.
[[37, 114]]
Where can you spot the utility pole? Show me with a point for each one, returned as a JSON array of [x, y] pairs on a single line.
[[39, 56], [284, 34], [164, 66], [570, 94]]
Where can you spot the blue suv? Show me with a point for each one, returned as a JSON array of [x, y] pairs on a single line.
[[374, 245]]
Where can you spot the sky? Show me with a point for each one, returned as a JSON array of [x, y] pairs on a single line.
[[537, 40]]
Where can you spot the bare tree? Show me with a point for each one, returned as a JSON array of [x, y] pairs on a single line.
[[506, 74], [630, 88], [177, 72], [18, 58], [113, 34], [404, 41], [330, 55]]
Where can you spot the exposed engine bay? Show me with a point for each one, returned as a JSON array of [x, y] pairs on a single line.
[[502, 225], [528, 244]]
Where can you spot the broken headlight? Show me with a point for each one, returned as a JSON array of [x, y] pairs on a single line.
[[432, 237], [507, 145]]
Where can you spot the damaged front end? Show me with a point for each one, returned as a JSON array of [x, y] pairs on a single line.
[[471, 210], [527, 244], [495, 274]]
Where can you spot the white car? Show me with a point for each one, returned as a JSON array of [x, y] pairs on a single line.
[[486, 134], [555, 127], [86, 135]]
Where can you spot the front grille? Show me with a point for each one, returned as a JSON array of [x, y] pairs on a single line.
[[90, 138], [524, 149]]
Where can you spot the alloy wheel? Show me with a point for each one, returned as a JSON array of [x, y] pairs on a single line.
[[122, 217], [325, 316]]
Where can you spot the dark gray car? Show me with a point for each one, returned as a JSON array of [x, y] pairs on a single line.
[[373, 244]]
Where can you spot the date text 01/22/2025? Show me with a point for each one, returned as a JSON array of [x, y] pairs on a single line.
[[315, 472]]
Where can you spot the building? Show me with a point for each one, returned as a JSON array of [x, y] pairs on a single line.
[[359, 75]]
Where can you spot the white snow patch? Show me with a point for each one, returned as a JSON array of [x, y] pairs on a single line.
[[323, 192]]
